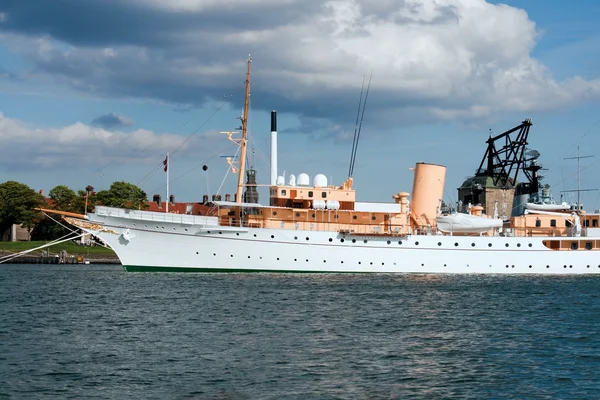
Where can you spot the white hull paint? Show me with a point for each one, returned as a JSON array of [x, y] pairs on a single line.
[[169, 241]]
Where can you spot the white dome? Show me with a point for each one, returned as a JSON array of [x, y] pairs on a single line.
[[292, 181], [303, 180], [280, 181], [320, 181]]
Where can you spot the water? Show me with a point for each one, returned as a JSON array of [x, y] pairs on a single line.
[[73, 331]]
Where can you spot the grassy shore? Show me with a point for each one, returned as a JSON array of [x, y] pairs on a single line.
[[70, 247]]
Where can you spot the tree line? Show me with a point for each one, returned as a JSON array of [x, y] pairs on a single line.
[[18, 203]]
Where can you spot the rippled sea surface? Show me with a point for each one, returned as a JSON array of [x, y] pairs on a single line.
[[95, 331]]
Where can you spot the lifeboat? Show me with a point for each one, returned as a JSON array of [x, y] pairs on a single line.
[[467, 223]]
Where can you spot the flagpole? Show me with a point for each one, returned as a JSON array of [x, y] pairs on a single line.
[[167, 166]]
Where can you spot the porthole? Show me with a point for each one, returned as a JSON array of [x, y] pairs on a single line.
[[373, 218], [196, 252], [255, 235], [145, 226], [359, 263], [489, 245], [365, 241], [307, 238], [272, 236], [248, 256], [134, 225], [570, 266], [507, 266], [354, 217], [382, 263], [353, 240], [439, 243], [530, 245], [231, 255], [324, 261], [214, 254], [314, 215], [342, 240], [472, 244], [444, 265], [297, 214], [547, 266], [456, 244], [295, 237], [185, 229], [156, 226], [162, 227], [335, 216], [518, 244], [307, 260], [295, 259], [277, 258], [208, 232], [416, 243], [565, 266], [341, 262], [530, 266], [237, 234], [330, 239], [399, 241], [389, 242], [506, 245], [371, 263], [588, 266], [513, 266], [274, 213], [220, 233]]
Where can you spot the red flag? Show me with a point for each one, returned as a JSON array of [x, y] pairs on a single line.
[[166, 163]]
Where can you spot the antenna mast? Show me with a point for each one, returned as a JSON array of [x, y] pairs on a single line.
[[243, 140], [579, 190]]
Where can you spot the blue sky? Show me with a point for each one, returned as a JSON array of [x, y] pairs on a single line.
[[98, 91]]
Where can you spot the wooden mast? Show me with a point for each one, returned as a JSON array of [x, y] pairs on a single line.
[[243, 140]]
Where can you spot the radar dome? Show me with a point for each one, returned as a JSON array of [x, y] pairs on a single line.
[[320, 181], [280, 181], [303, 180]]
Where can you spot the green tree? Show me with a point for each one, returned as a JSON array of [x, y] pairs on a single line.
[[17, 203], [123, 195], [64, 198]]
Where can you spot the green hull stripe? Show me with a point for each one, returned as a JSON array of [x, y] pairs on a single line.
[[141, 268]]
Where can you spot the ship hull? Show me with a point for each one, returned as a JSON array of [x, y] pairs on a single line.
[[180, 246]]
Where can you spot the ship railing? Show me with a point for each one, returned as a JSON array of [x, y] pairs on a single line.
[[184, 219]]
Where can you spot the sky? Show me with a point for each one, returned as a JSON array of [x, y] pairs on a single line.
[[97, 91]]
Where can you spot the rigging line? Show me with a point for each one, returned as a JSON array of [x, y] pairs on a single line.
[[52, 243], [356, 126], [159, 165], [564, 180], [575, 143], [361, 121], [227, 173], [194, 168]]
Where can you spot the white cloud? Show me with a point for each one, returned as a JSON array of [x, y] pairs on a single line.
[[81, 144], [445, 59]]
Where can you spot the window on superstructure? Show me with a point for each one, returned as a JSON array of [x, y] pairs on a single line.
[[553, 223], [283, 192], [538, 223], [323, 194], [310, 193], [595, 223], [588, 245], [574, 245], [586, 223]]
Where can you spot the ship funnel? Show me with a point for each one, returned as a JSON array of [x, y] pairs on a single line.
[[273, 148], [428, 190]]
